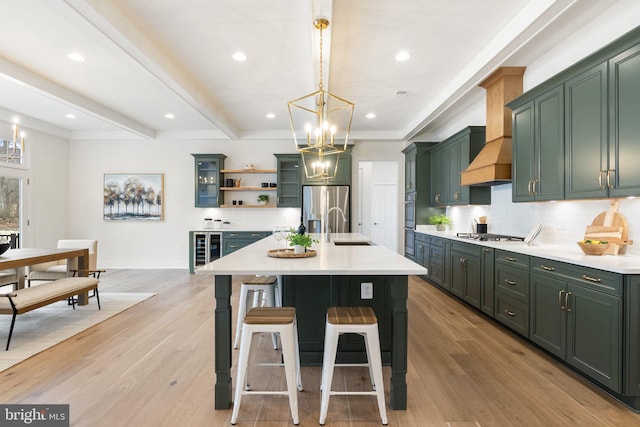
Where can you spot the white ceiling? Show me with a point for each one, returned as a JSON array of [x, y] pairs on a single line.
[[146, 58]]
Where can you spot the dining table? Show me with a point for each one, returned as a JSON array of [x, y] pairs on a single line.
[[339, 268], [21, 258]]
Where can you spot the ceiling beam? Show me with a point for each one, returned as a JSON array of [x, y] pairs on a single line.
[[38, 84], [118, 28]]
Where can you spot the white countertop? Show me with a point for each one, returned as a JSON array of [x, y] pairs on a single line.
[[330, 260], [623, 264]]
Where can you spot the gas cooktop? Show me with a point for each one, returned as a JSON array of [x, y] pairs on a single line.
[[490, 237]]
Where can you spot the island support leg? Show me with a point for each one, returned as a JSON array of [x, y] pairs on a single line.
[[222, 339], [399, 327]]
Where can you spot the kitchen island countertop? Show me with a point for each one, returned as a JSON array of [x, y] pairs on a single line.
[[331, 259]]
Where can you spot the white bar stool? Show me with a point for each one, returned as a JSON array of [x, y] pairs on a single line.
[[259, 285], [281, 320], [352, 320]]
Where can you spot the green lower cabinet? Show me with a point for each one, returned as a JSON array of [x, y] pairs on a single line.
[[594, 335], [487, 285], [631, 358], [436, 261], [548, 314], [234, 240], [422, 250], [511, 280], [578, 323], [466, 272]]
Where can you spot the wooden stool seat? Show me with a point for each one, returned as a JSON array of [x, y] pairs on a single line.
[[270, 315], [351, 316], [261, 280]]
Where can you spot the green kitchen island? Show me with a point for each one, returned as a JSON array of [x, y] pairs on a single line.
[[341, 274]]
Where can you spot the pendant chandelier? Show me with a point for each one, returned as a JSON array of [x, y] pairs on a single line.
[[13, 150], [321, 122]]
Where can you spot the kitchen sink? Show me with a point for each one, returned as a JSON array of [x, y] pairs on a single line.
[[352, 243]]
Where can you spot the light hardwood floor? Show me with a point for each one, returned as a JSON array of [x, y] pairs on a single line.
[[152, 365]]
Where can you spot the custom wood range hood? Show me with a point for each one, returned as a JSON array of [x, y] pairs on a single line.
[[492, 165]]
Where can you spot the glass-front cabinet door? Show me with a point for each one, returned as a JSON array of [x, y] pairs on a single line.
[[208, 177]]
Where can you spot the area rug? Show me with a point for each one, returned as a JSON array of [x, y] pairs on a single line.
[[42, 328]]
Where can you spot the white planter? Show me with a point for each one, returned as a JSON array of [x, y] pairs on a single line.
[[298, 249]]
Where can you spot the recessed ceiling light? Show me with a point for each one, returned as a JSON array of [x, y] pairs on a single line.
[[402, 56], [271, 116], [170, 116], [75, 56], [371, 116], [70, 116], [239, 56]]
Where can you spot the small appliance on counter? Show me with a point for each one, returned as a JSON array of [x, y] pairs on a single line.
[[210, 224]]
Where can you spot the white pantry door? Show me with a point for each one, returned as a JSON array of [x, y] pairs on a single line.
[[384, 215]]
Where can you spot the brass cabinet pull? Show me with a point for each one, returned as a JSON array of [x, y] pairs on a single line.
[[544, 267], [486, 250], [591, 279], [510, 313], [600, 179], [609, 171], [456, 195], [436, 255], [566, 301], [508, 258], [510, 282], [437, 198], [529, 187], [535, 181], [560, 304]]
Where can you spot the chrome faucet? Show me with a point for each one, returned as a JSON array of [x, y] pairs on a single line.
[[326, 220]]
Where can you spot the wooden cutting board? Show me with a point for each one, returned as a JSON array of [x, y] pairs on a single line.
[[612, 227]]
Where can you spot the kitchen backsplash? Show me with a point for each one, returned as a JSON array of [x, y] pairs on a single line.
[[564, 221]]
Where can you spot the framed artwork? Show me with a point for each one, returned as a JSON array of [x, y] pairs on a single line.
[[133, 197]]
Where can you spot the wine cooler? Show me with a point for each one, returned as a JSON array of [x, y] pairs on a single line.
[[205, 247]]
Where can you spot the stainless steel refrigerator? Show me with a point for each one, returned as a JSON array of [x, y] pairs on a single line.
[[326, 201]]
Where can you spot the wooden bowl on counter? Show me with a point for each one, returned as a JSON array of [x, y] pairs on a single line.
[[594, 248]]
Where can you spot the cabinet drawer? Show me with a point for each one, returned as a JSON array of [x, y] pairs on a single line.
[[468, 248], [436, 241], [512, 313], [245, 234], [512, 259], [513, 282], [602, 281], [436, 257]]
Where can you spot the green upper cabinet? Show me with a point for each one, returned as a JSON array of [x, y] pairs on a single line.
[[343, 171], [624, 123], [289, 177], [439, 177], [538, 166], [594, 106], [586, 143], [208, 179], [448, 159], [417, 186]]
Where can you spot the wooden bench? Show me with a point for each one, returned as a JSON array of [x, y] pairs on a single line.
[[27, 299]]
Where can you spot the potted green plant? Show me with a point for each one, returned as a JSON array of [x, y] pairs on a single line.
[[441, 221], [300, 242], [263, 199]]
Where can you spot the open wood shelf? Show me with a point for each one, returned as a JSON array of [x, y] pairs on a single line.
[[249, 171], [248, 206], [248, 188]]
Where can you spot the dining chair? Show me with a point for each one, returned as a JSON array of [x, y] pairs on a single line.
[[58, 269]]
